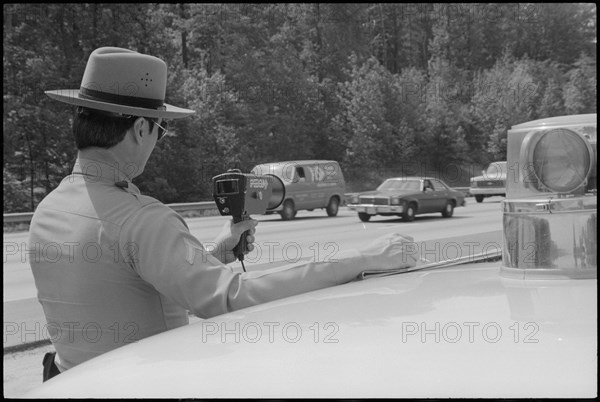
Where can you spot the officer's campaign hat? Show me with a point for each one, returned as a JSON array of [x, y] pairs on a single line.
[[123, 81]]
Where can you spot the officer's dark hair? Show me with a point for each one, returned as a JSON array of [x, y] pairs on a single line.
[[95, 128]]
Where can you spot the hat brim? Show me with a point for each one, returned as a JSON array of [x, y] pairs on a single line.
[[72, 97]]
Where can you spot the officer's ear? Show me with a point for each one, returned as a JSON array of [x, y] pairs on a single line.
[[140, 130]]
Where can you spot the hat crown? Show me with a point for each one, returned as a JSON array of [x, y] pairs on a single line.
[[124, 73], [123, 81]]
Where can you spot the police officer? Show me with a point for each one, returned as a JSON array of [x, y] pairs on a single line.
[[124, 266]]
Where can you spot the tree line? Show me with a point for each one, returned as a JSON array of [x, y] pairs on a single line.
[[385, 89]]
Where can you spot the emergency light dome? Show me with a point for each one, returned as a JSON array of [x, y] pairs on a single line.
[[559, 161], [554, 155], [550, 211]]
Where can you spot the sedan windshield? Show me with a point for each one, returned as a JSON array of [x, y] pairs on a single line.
[[496, 170], [400, 184]]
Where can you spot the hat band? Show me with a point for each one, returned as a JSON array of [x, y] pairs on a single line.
[[146, 103]]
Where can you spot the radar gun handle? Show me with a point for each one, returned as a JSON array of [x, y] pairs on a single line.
[[242, 246]]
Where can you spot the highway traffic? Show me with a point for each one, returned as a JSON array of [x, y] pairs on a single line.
[[311, 236]]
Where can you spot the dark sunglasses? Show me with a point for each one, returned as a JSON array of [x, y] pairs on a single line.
[[162, 130]]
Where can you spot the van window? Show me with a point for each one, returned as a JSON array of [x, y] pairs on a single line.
[[288, 173], [302, 175], [327, 173]]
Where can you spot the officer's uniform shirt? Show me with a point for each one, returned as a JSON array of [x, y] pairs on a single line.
[[113, 266]]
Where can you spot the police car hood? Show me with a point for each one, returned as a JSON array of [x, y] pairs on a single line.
[[461, 331]]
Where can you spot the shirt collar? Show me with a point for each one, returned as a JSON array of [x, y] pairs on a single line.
[[101, 165]]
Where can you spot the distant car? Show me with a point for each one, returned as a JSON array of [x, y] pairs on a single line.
[[491, 182], [407, 197], [308, 184]]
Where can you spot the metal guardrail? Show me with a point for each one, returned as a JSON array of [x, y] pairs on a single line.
[[193, 206], [25, 217]]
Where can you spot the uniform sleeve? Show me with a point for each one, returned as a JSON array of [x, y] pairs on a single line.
[[161, 249]]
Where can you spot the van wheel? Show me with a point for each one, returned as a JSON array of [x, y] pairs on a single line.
[[479, 198], [364, 217], [333, 206], [289, 210], [448, 210], [409, 214]]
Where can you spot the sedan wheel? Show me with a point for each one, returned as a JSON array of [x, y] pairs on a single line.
[[479, 198], [448, 210], [364, 217], [409, 214]]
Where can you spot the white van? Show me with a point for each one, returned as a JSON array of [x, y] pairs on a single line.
[[309, 184]]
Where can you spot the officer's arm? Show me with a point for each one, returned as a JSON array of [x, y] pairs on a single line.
[[169, 257]]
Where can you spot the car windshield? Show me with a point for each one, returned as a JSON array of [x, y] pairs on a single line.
[[400, 184], [496, 170]]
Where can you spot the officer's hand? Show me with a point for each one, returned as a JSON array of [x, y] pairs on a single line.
[[230, 237], [391, 251]]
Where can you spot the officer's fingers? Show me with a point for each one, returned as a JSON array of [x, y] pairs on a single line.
[[252, 225], [250, 239], [243, 226]]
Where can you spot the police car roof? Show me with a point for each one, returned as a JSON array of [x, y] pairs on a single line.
[[559, 121]]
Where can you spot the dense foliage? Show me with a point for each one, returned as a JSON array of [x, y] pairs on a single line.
[[382, 88]]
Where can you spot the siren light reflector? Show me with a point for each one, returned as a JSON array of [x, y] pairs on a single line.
[[561, 160]]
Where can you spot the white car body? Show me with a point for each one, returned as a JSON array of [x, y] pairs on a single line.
[[492, 182], [461, 331]]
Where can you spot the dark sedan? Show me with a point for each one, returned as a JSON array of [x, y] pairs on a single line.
[[407, 197]]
